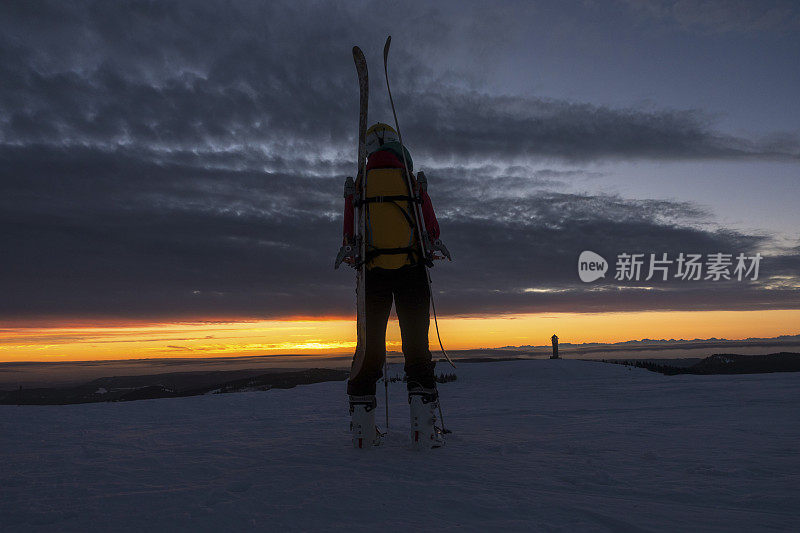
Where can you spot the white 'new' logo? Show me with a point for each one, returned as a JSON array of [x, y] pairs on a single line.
[[591, 266]]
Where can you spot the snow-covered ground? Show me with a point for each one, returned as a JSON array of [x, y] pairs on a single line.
[[537, 445]]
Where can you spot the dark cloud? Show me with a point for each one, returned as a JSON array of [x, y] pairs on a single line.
[[230, 77], [165, 161], [721, 16], [521, 254], [111, 234], [472, 125]]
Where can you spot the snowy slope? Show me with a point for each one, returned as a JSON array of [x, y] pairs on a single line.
[[537, 445]]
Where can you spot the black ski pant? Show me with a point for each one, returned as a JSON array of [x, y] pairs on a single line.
[[408, 286]]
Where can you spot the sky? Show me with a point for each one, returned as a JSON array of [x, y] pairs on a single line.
[[175, 169]]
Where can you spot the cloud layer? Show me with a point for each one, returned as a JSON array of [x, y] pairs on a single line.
[[165, 161]]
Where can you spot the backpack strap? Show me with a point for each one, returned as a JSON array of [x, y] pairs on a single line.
[[374, 252], [389, 198]]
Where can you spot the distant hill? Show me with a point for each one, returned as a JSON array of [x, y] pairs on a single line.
[[727, 364], [789, 340], [171, 385], [747, 364]]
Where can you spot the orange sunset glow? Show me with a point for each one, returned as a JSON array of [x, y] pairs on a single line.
[[337, 335]]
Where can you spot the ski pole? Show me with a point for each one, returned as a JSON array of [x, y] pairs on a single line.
[[386, 389], [441, 417], [420, 219]]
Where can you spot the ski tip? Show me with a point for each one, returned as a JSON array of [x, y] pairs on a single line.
[[357, 53], [386, 47]]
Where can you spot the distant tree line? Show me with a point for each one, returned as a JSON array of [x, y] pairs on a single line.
[[653, 367], [724, 364]]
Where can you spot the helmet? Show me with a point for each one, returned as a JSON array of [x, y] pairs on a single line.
[[378, 135]]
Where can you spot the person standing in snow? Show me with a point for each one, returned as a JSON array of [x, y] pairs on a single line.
[[395, 271]]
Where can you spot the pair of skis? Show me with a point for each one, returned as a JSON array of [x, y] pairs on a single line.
[[356, 250]]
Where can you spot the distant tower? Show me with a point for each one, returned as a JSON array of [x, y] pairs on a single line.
[[554, 338]]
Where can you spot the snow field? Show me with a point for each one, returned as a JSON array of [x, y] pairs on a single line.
[[554, 445]]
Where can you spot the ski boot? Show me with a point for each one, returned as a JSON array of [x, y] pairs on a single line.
[[424, 405], [362, 422]]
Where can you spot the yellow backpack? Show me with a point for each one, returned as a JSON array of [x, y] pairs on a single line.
[[391, 240]]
